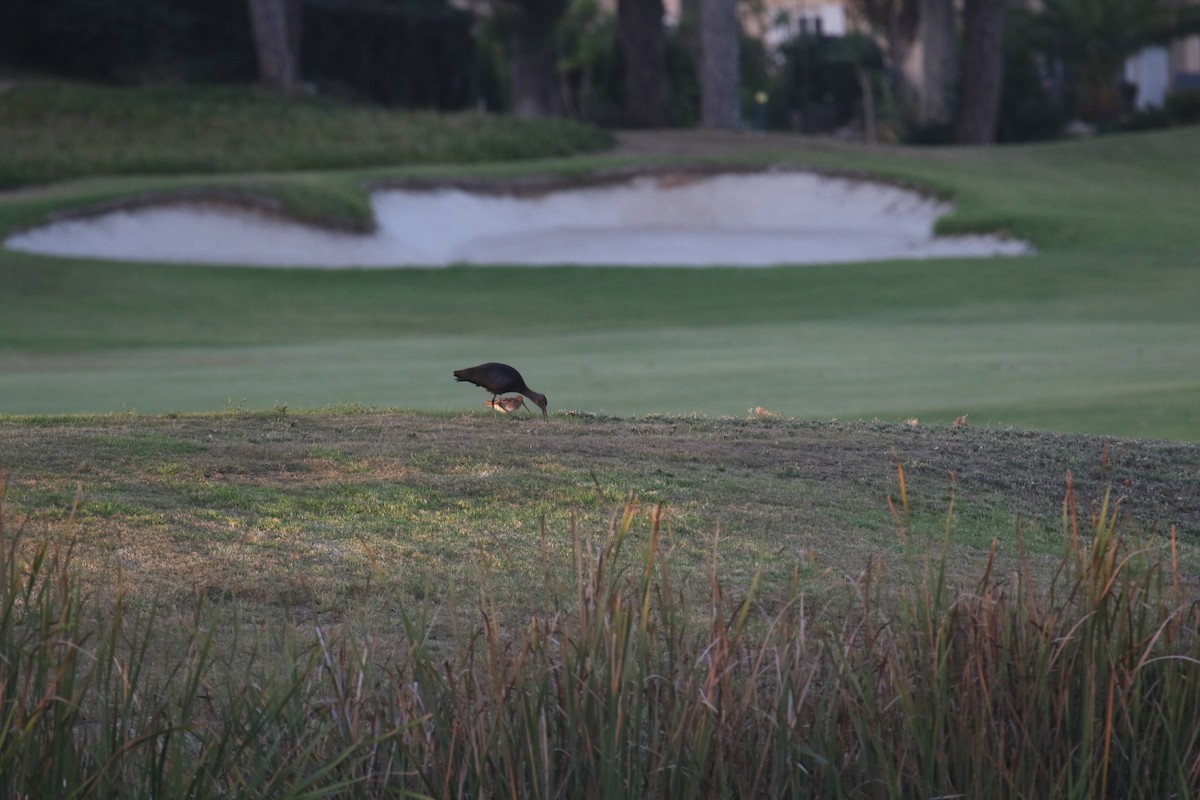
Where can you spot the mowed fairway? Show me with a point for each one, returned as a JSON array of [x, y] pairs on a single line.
[[1050, 375], [1097, 333]]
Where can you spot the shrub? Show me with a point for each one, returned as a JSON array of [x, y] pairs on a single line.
[[818, 85], [1183, 106]]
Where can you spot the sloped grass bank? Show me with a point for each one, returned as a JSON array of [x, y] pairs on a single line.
[[372, 604], [317, 513], [58, 130]]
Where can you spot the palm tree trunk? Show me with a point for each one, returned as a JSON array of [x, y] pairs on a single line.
[[982, 71], [939, 67], [644, 46], [719, 69], [275, 26]]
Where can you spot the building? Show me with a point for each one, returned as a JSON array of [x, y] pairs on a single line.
[[1157, 71]]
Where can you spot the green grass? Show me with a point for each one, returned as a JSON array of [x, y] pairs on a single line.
[[1096, 333], [364, 603], [1035, 373], [54, 131], [320, 506]]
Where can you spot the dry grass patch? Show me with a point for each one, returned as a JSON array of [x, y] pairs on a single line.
[[320, 513]]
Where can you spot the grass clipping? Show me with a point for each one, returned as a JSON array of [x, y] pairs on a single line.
[[630, 686]]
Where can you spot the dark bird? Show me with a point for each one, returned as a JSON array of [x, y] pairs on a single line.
[[500, 379]]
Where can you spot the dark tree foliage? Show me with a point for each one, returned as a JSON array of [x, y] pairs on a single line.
[[897, 21], [590, 63], [819, 88], [399, 52], [130, 40], [683, 78], [412, 53], [592, 69], [527, 30], [1093, 38], [1028, 111]]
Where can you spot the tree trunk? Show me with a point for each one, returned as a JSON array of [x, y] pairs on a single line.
[[644, 45], [982, 71], [275, 27], [534, 79], [719, 69], [533, 63], [870, 129], [939, 67]]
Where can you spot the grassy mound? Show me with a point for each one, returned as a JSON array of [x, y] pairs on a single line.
[[55, 131]]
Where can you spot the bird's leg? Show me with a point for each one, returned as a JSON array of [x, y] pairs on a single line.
[[493, 406]]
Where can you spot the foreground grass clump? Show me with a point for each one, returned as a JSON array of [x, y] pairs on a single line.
[[54, 130], [630, 686]]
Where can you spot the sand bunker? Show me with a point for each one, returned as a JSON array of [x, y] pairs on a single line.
[[758, 219]]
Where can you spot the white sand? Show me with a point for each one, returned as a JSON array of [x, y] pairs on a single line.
[[758, 219]]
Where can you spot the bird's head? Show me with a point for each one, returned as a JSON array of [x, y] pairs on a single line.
[[540, 399]]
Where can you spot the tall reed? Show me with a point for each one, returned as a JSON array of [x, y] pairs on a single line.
[[638, 685]]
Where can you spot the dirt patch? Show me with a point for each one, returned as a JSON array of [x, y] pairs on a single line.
[[1156, 483]]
